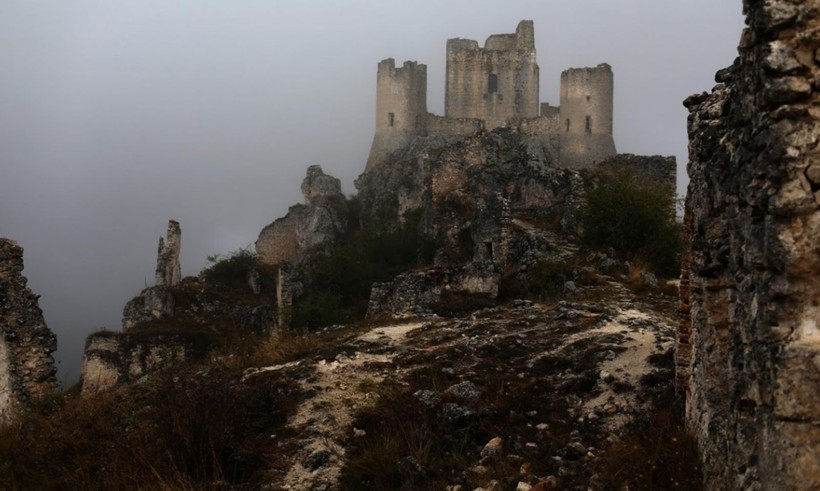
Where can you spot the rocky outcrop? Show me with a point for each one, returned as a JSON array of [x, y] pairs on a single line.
[[112, 359], [753, 221], [319, 221], [152, 304], [168, 269], [436, 290], [469, 190], [26, 366]]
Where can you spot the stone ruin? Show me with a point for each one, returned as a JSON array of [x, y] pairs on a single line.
[[749, 344], [321, 219], [27, 369], [168, 268]]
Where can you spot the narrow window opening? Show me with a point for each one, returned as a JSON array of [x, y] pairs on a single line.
[[488, 250], [492, 83], [567, 125], [587, 98], [588, 125], [391, 118]]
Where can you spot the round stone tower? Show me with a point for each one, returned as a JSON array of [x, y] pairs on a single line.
[[401, 107], [586, 116]]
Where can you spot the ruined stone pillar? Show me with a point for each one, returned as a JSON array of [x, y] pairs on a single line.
[[284, 295], [27, 369], [168, 269]]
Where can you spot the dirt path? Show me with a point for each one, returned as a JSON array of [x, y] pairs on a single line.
[[325, 417]]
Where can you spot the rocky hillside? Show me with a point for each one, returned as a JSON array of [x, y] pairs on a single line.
[[547, 394]]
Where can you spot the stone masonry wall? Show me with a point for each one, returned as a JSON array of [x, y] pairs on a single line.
[[496, 83], [401, 107], [753, 221], [586, 116], [26, 366]]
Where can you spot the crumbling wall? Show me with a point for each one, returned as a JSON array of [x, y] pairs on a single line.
[[26, 366], [648, 169], [112, 358], [168, 268], [318, 221], [753, 222]]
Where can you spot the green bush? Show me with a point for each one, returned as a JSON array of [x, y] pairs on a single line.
[[634, 218], [233, 268]]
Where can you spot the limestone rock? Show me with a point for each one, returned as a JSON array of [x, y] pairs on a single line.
[[27, 370], [152, 304], [748, 344]]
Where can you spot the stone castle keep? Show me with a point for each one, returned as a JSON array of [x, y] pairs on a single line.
[[497, 86]]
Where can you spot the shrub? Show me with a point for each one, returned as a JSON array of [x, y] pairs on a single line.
[[634, 218], [233, 268], [544, 281], [339, 280]]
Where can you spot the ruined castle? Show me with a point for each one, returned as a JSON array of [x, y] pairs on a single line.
[[497, 86]]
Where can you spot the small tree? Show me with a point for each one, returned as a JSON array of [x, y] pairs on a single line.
[[635, 218]]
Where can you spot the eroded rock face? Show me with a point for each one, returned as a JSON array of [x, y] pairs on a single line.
[[753, 221], [27, 369], [318, 221], [168, 269]]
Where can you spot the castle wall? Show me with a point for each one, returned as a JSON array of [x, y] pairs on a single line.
[[586, 116], [447, 127], [753, 222], [401, 107], [497, 83]]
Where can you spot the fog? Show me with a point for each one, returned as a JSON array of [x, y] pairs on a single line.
[[116, 116]]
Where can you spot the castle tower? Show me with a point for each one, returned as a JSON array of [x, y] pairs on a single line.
[[586, 116], [401, 107], [496, 83]]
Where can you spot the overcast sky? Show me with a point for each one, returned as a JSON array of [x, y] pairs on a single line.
[[118, 115]]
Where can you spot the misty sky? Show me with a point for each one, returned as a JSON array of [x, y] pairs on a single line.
[[118, 115]]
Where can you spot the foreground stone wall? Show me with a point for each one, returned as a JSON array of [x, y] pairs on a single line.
[[753, 221], [26, 366]]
